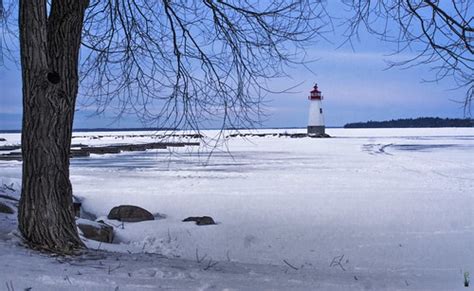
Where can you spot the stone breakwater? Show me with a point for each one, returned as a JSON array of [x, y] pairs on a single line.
[[79, 150]]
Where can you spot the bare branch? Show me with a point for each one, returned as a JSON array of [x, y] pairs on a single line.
[[436, 33], [181, 64]]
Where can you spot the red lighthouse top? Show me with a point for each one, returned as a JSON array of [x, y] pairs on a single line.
[[315, 94]]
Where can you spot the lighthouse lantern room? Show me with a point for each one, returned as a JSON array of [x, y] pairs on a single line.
[[316, 118]]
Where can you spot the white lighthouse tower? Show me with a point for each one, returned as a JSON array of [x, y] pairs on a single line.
[[316, 117]]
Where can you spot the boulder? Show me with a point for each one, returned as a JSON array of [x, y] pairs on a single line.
[[5, 208], [98, 231], [130, 213], [200, 220]]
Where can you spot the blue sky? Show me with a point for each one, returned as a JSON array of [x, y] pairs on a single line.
[[355, 84], [358, 87]]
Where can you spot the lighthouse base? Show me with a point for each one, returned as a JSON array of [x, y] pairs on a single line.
[[316, 130]]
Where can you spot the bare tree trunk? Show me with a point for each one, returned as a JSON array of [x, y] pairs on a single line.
[[49, 60]]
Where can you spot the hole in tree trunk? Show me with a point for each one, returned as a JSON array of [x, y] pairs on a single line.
[[53, 77]]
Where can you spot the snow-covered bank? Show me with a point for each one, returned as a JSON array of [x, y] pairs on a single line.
[[398, 204], [23, 269]]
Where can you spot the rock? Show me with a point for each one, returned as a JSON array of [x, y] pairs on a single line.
[[5, 208], [87, 215], [76, 205], [159, 216], [298, 135], [3, 139], [130, 213], [200, 220], [77, 209], [320, 135], [98, 231]]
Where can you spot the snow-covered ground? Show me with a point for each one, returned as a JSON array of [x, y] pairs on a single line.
[[367, 209]]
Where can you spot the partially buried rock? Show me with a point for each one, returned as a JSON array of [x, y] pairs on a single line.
[[98, 231], [76, 204], [200, 220], [130, 213], [5, 208]]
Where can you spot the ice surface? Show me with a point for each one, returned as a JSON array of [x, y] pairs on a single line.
[[397, 204]]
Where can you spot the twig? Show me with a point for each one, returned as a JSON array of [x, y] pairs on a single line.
[[9, 188], [10, 286], [8, 197], [67, 278], [169, 236], [290, 265], [210, 264], [336, 261], [116, 268], [198, 259]]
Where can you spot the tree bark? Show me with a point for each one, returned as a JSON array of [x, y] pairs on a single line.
[[49, 61]]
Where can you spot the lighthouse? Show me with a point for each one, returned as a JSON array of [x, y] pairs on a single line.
[[316, 117]]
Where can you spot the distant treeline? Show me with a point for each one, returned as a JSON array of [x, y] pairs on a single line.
[[417, 122]]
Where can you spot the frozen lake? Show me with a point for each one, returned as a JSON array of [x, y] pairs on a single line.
[[396, 203]]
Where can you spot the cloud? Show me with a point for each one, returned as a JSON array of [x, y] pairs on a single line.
[[358, 56]]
